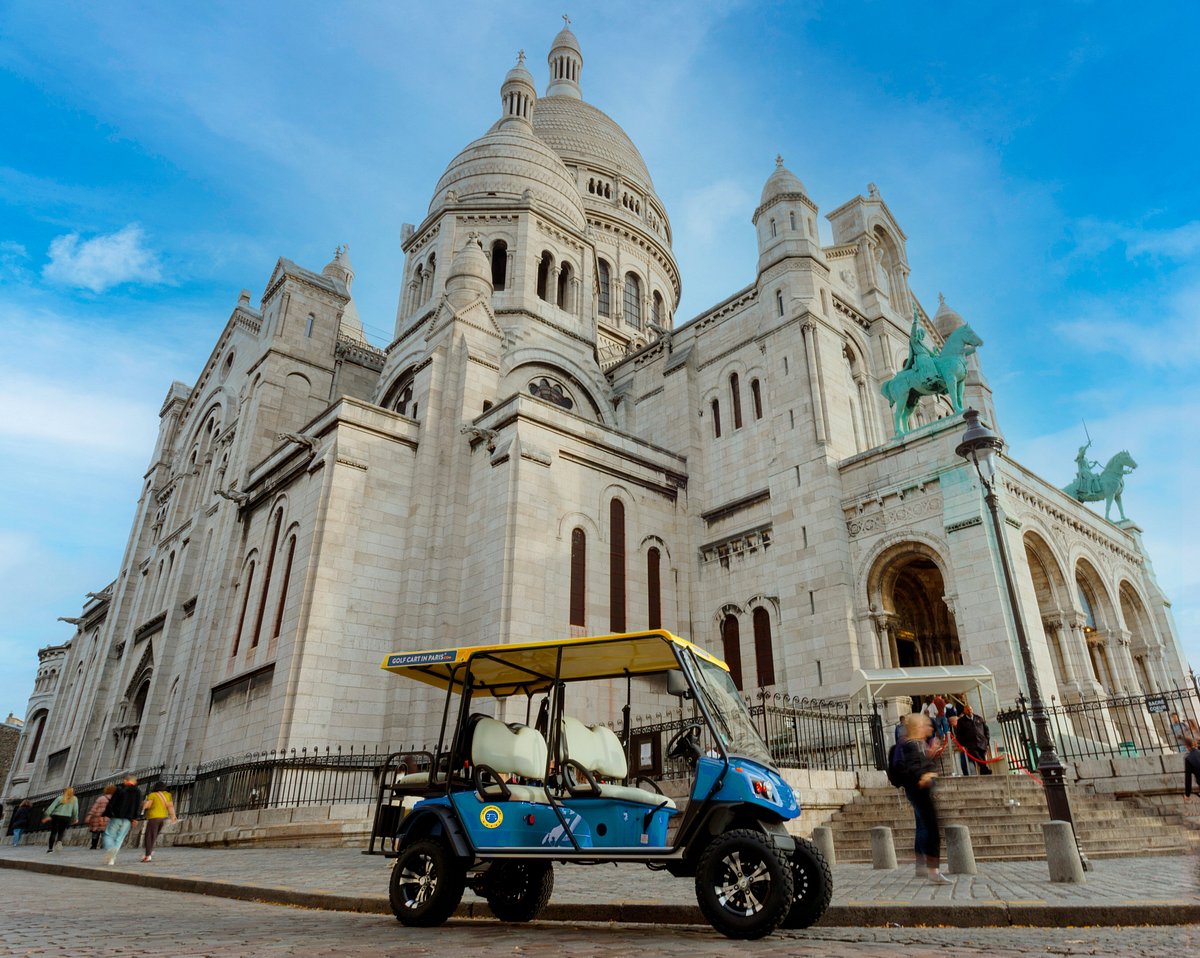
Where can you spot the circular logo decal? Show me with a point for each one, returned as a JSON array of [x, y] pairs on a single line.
[[491, 816]]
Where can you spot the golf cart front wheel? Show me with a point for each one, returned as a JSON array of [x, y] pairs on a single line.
[[427, 884], [812, 886], [744, 884]]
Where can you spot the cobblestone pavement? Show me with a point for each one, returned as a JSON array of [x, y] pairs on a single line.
[[346, 871], [47, 916]]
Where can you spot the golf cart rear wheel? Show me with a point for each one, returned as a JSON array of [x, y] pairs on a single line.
[[744, 884], [427, 883], [812, 886], [518, 891]]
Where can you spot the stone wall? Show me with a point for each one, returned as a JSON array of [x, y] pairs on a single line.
[[314, 826], [1154, 782]]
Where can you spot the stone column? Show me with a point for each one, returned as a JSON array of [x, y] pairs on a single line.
[[509, 270], [885, 641], [814, 382], [1052, 625], [865, 409], [1076, 647]]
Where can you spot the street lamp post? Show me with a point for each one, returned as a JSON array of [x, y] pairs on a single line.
[[980, 446]]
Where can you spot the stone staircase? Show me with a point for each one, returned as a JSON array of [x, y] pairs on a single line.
[[1005, 815]]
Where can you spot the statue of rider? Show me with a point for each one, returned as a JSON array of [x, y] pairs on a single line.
[[1085, 480], [920, 356]]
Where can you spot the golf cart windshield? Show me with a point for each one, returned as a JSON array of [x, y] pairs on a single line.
[[724, 703]]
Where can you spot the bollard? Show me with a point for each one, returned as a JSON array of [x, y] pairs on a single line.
[[823, 839], [883, 849], [1062, 854], [960, 856]]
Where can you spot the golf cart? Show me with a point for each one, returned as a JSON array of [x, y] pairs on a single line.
[[498, 803]]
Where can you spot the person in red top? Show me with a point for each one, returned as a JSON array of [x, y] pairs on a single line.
[[96, 819]]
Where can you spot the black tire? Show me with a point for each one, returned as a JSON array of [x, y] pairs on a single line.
[[812, 886], [518, 891], [427, 883], [744, 884]]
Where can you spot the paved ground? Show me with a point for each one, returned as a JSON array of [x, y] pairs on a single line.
[[1119, 891], [54, 915]]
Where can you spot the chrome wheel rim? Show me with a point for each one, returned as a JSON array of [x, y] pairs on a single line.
[[743, 884], [418, 881]]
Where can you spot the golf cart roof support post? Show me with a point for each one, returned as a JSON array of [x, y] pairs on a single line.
[[554, 753]]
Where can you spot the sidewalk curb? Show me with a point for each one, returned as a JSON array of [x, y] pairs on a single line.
[[862, 915]]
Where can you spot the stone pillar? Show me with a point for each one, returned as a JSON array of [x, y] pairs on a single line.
[[1076, 646], [823, 839], [1062, 854], [814, 382], [509, 270], [960, 856], [883, 849], [884, 622], [1052, 625]]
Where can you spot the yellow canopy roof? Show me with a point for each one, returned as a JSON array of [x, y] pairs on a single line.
[[529, 667]]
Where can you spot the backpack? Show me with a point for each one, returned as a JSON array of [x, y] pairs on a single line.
[[895, 774]]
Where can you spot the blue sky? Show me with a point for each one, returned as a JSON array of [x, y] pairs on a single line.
[[156, 159]]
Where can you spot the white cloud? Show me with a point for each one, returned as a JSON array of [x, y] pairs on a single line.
[[103, 261], [1151, 332]]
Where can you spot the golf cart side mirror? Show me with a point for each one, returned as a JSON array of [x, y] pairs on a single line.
[[677, 684]]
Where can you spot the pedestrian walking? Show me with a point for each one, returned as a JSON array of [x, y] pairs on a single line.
[[61, 813], [1191, 769], [159, 809], [1180, 732], [124, 807], [975, 737], [19, 821], [95, 819], [919, 778]]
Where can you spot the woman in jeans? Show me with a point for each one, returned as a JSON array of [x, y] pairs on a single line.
[[158, 808], [916, 769], [61, 814]]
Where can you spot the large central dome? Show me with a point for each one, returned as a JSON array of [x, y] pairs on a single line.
[[585, 136]]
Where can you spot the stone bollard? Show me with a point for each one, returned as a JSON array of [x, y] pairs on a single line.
[[883, 849], [823, 839], [1062, 854], [960, 856]]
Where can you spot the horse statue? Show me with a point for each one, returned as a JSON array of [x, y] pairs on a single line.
[[1108, 485], [930, 373]]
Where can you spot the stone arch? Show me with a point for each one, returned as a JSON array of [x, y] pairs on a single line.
[[1096, 605], [1144, 646], [1053, 599], [584, 388], [907, 584]]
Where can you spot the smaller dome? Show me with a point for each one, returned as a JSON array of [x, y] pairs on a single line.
[[470, 276], [566, 40], [340, 267], [946, 320], [780, 183], [518, 74]]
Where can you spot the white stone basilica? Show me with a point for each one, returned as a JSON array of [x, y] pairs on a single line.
[[544, 450]]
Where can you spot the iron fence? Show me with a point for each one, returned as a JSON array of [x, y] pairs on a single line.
[[799, 733], [1124, 726]]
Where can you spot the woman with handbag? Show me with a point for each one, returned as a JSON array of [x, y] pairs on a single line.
[[158, 808], [61, 814], [95, 819]]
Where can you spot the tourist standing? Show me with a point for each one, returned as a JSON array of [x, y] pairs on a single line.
[[975, 737], [95, 819], [20, 821], [158, 808], [123, 809], [1191, 769], [61, 814], [916, 771]]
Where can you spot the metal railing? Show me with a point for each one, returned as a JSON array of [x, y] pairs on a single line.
[[1123, 726]]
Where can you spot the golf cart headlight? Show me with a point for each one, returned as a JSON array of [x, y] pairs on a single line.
[[763, 789]]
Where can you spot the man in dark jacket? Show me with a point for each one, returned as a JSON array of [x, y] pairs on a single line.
[[123, 810], [974, 736], [1191, 768]]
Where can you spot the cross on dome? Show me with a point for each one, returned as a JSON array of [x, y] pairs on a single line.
[[520, 58], [779, 160], [566, 20]]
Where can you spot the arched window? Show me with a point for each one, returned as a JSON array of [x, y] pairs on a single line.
[[715, 406], [654, 588], [308, 326], [604, 293], [774, 229], [779, 301], [543, 275], [731, 647], [564, 286], [283, 588], [38, 724], [578, 577], [616, 566], [764, 656], [633, 301], [401, 396], [237, 635], [756, 395], [499, 265], [792, 220], [418, 285], [736, 392], [430, 270], [657, 310], [262, 602]]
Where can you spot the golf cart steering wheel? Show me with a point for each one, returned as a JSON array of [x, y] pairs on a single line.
[[683, 743]]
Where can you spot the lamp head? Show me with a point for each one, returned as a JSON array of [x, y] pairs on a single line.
[[979, 446]]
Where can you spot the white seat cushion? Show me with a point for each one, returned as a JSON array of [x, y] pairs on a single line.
[[521, 752], [599, 751]]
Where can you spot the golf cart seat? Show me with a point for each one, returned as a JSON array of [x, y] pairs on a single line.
[[598, 750], [502, 750]]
